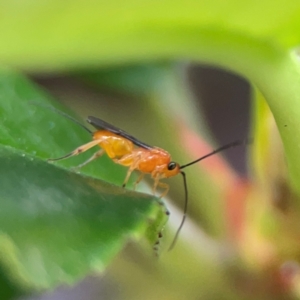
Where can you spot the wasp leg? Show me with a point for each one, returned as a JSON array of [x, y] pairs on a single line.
[[165, 192], [162, 185], [136, 159], [93, 157], [138, 180], [78, 150]]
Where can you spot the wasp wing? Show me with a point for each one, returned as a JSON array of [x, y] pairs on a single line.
[[100, 124]]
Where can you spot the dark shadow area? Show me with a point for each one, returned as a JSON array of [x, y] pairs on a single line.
[[225, 101]]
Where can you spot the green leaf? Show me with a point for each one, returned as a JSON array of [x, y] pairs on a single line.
[[55, 225]]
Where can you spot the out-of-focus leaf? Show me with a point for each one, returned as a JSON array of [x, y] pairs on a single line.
[[56, 35]]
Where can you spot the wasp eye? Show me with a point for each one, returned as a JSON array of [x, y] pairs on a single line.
[[172, 165]]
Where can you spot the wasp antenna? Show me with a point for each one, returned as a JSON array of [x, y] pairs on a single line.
[[62, 114], [230, 145], [184, 213]]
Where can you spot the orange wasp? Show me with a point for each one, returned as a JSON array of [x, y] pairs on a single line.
[[126, 150]]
